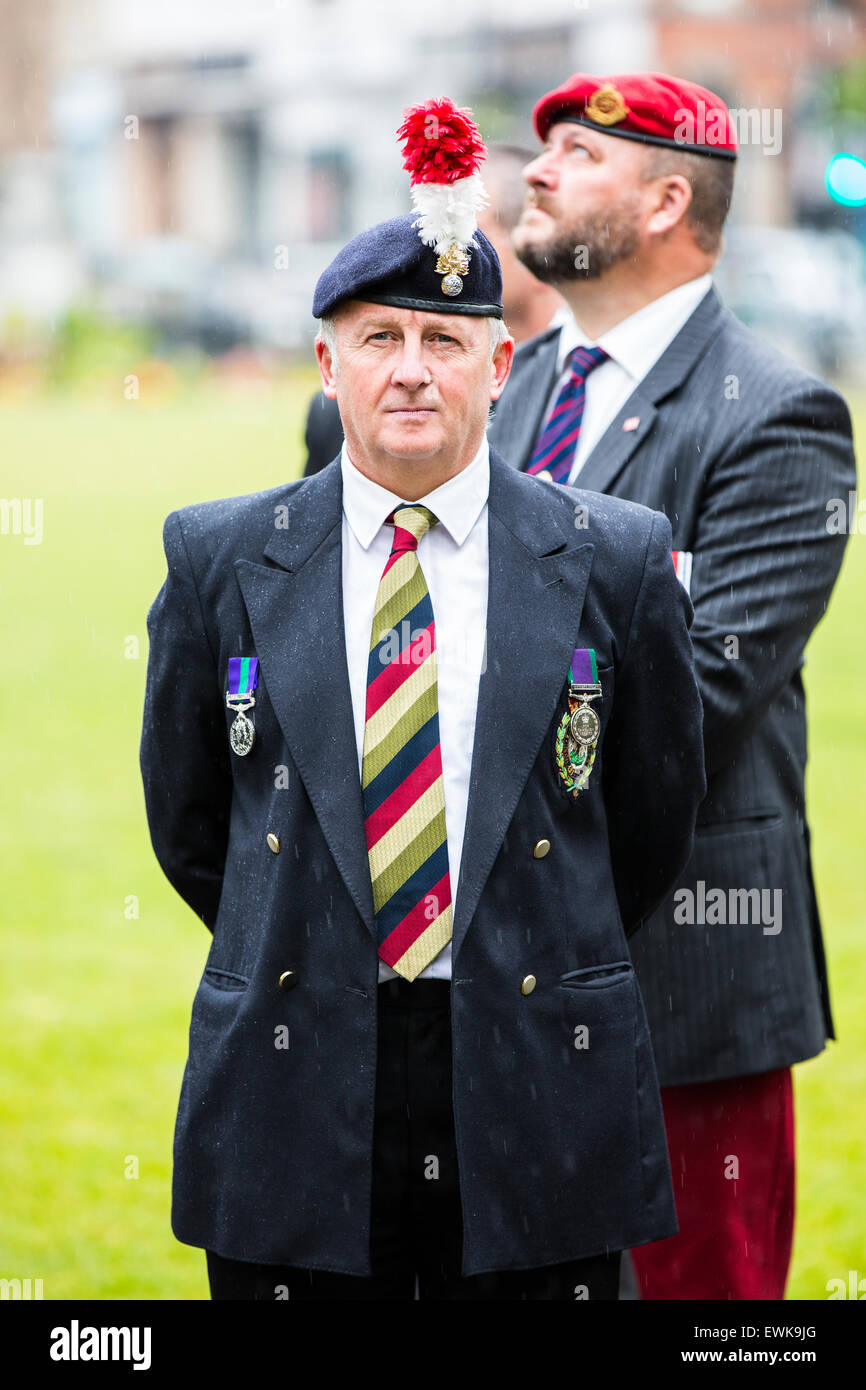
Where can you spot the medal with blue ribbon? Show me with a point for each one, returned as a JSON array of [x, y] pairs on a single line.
[[243, 679], [579, 728]]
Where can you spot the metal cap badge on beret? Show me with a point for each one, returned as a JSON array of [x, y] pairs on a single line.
[[647, 106], [434, 259]]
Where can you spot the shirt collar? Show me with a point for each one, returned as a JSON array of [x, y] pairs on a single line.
[[637, 342], [561, 316], [457, 503]]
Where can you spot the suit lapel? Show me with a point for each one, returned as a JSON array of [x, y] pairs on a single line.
[[519, 411], [296, 615], [615, 447], [538, 574]]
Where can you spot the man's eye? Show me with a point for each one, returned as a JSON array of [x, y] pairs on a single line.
[[383, 333], [444, 338]]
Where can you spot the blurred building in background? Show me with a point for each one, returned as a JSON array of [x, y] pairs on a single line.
[[196, 165]]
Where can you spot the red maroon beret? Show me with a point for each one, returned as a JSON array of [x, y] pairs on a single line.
[[646, 106]]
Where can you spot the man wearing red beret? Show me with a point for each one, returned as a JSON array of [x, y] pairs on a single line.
[[656, 393]]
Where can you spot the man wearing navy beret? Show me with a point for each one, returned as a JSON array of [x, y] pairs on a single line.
[[654, 392], [422, 749]]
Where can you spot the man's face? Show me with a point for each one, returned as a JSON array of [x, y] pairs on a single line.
[[412, 385], [587, 204]]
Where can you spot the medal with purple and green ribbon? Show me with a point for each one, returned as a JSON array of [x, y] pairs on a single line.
[[243, 679], [579, 728]]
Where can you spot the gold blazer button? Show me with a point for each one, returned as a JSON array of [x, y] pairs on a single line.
[[541, 849], [528, 984], [273, 843]]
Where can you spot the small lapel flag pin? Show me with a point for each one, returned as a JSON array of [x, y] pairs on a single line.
[[630, 424]]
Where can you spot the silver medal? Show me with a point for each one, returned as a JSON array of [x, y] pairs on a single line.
[[242, 735], [585, 725]]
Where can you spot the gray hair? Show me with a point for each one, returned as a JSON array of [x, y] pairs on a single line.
[[327, 335]]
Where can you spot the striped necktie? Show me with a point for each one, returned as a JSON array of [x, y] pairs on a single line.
[[401, 773], [555, 447]]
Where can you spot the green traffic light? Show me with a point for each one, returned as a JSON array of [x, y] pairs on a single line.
[[846, 180]]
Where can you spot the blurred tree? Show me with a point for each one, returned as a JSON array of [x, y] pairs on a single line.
[[846, 90]]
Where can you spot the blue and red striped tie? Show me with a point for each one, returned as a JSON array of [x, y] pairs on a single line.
[[401, 773], [555, 447]]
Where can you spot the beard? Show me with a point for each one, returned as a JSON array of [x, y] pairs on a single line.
[[583, 250]]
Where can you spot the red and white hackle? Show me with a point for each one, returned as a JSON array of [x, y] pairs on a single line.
[[442, 153]]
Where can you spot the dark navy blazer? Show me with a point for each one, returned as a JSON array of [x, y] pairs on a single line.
[[561, 1146]]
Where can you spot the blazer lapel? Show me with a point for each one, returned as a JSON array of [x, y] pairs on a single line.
[[635, 419], [520, 409], [538, 573], [296, 615]]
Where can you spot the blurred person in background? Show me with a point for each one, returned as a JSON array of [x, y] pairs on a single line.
[[530, 305], [656, 393]]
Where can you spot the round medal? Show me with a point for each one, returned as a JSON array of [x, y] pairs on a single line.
[[242, 735], [585, 725]]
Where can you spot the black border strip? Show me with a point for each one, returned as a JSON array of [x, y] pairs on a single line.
[[644, 139]]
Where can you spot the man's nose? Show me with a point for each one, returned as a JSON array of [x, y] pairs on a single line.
[[540, 172], [410, 369]]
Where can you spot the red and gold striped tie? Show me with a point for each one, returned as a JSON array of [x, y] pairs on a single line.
[[401, 776]]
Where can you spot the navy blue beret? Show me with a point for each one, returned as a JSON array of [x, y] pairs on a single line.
[[389, 264]]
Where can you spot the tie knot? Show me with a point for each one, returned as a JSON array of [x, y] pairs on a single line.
[[583, 360], [413, 520]]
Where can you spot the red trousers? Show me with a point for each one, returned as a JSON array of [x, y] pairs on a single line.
[[731, 1147]]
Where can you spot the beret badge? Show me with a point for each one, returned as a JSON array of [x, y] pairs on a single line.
[[453, 265], [606, 106], [442, 153]]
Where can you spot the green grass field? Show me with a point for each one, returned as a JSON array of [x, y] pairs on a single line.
[[100, 959]]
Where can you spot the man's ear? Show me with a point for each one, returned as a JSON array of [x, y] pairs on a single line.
[[501, 364], [673, 201], [326, 370]]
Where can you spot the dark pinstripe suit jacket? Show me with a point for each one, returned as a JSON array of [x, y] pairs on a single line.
[[742, 450]]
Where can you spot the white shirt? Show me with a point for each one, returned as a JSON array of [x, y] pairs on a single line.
[[633, 346], [454, 559]]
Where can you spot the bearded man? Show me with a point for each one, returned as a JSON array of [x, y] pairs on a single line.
[[655, 393]]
